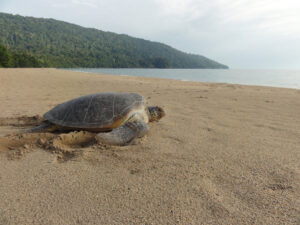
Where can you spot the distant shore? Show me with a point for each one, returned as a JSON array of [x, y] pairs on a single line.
[[224, 154]]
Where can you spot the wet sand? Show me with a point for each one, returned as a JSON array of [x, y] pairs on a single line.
[[224, 154]]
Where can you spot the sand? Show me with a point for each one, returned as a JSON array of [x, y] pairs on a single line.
[[224, 154]]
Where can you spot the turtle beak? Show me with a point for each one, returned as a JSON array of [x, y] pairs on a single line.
[[161, 112]]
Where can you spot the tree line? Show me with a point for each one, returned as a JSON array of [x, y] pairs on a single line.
[[10, 58]]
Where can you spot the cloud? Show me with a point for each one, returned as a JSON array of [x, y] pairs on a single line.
[[175, 7], [280, 16], [264, 15], [74, 4], [88, 3]]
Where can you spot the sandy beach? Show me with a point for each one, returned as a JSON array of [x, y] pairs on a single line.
[[224, 154]]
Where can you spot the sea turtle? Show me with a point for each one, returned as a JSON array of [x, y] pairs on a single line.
[[118, 117]]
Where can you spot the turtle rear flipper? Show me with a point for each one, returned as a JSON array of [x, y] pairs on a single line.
[[124, 134], [44, 127]]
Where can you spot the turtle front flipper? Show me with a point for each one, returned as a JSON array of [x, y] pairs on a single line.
[[124, 134]]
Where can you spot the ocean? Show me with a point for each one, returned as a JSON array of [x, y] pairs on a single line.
[[273, 78]]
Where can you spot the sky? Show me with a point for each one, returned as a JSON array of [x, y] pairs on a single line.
[[243, 34]]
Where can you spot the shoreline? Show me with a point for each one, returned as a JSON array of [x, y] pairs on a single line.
[[224, 154], [162, 75]]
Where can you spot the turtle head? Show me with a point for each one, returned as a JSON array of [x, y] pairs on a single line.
[[155, 113]]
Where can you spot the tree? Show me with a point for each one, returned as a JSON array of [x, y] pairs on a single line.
[[4, 57], [160, 62]]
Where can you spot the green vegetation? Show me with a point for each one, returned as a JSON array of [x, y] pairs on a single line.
[[52, 43], [13, 59]]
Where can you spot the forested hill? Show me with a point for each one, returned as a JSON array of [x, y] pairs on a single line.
[[60, 44]]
